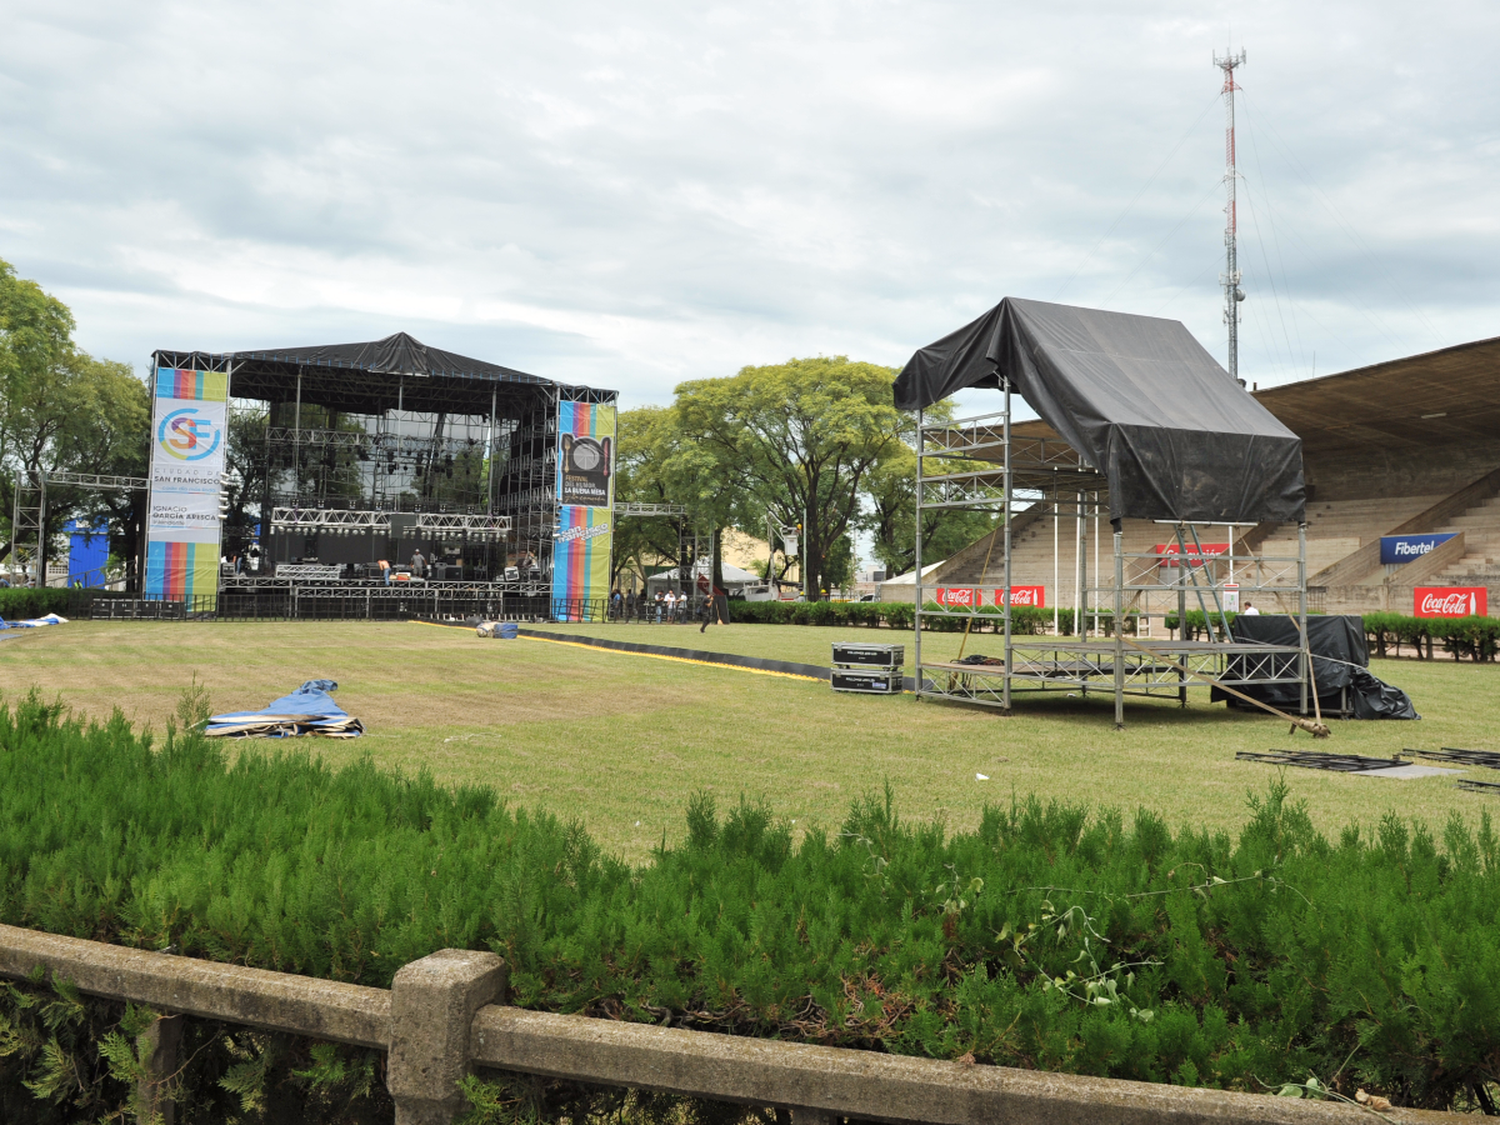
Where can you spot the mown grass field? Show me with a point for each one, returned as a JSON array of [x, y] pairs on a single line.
[[621, 741]]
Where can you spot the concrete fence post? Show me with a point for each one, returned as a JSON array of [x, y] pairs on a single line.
[[433, 1002], [158, 1046]]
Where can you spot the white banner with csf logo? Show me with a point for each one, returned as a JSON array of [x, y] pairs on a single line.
[[189, 433], [187, 459]]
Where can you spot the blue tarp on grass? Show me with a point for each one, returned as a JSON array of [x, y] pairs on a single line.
[[33, 622], [308, 710]]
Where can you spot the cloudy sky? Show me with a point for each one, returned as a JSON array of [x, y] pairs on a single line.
[[632, 194]]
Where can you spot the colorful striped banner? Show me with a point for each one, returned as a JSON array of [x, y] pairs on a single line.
[[582, 545], [189, 432], [205, 386], [581, 553], [177, 571]]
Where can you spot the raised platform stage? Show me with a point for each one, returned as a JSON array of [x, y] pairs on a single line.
[[1144, 667]]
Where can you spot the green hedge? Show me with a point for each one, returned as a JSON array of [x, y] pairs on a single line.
[[1471, 638], [20, 602], [1054, 937], [1474, 638], [895, 615]]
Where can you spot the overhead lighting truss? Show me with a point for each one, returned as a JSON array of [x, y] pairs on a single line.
[[349, 521], [650, 510], [375, 445], [339, 521], [464, 525]]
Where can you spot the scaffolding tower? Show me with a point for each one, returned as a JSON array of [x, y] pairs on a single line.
[[977, 464]]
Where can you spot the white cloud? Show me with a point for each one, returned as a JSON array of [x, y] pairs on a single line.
[[631, 195]]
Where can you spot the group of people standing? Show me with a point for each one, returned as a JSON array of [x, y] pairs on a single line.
[[669, 607]]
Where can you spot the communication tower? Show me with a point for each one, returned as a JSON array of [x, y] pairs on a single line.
[[1230, 278]]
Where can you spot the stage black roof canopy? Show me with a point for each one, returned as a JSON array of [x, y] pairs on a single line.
[[374, 377], [1137, 396]]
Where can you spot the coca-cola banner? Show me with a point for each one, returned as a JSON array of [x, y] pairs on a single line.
[[955, 597], [1035, 596], [1170, 551], [967, 597], [1451, 601]]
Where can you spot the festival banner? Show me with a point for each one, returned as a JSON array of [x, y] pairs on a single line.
[[584, 539], [188, 435]]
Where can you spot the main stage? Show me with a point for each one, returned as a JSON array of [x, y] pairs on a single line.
[[387, 472]]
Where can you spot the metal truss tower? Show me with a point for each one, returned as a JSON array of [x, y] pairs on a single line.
[[1230, 278]]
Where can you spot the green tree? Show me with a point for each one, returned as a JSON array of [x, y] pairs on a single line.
[[36, 337], [797, 438], [647, 440], [61, 409]]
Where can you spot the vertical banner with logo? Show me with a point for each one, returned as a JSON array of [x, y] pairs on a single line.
[[585, 492], [188, 435]]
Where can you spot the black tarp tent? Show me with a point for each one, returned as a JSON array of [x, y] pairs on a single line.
[[1138, 397], [398, 353], [376, 376]]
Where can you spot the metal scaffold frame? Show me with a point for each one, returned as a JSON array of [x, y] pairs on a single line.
[[29, 512], [695, 545], [976, 464]]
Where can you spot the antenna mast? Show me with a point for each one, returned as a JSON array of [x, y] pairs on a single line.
[[1230, 278]]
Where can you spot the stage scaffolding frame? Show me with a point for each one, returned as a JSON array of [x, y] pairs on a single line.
[[695, 543], [29, 513], [981, 466]]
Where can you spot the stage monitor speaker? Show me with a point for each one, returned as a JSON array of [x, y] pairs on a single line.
[[866, 681], [847, 655]]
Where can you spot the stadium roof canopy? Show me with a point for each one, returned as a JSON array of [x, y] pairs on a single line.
[[397, 372], [1444, 398], [1450, 396]]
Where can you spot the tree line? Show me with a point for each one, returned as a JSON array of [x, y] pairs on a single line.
[[816, 444], [62, 410]]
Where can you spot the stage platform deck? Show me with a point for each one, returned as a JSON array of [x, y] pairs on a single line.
[[1151, 667]]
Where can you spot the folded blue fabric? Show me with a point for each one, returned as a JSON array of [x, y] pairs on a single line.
[[33, 622], [308, 710]]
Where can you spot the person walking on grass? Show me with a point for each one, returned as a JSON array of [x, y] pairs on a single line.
[[717, 610]]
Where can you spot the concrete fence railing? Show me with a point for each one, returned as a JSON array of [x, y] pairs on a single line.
[[442, 1017]]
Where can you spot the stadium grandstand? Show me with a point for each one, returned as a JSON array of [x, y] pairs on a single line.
[[1409, 447]]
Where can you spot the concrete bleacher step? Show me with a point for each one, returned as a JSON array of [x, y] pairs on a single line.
[[1480, 565], [1336, 530]]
